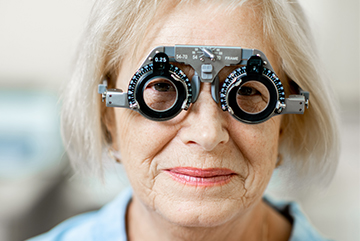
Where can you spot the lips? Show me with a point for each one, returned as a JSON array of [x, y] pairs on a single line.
[[201, 177]]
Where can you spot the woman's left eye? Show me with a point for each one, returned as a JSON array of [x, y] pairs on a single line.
[[162, 86], [245, 90]]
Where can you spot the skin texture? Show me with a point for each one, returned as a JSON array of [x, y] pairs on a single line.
[[202, 137]]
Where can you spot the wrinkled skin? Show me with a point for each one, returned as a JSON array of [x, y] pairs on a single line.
[[202, 137]]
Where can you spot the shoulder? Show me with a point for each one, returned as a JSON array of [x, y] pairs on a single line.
[[302, 229], [108, 223]]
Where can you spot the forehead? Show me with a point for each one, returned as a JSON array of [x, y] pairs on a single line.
[[197, 24]]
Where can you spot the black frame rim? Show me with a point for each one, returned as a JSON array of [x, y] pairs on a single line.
[[243, 116], [150, 113]]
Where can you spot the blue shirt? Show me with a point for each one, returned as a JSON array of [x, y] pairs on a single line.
[[108, 223]]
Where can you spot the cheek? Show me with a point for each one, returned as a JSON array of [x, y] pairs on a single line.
[[139, 140], [259, 146], [138, 136], [259, 141]]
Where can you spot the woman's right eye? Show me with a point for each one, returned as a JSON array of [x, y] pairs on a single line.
[[160, 94]]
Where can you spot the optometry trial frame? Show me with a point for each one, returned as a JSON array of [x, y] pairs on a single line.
[[252, 93]]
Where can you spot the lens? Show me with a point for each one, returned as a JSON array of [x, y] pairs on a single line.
[[160, 94], [253, 97]]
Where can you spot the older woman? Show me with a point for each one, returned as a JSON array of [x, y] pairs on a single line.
[[213, 99]]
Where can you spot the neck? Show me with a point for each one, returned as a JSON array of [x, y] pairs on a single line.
[[144, 224]]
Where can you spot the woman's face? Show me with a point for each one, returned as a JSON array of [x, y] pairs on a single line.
[[202, 168]]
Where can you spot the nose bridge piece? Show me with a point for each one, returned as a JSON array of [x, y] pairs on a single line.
[[215, 89], [195, 85]]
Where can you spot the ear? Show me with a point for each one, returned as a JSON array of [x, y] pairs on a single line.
[[281, 130], [284, 125], [108, 124]]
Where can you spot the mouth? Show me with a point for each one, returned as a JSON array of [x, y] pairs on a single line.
[[201, 177]]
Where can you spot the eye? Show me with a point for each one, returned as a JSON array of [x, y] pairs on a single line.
[[160, 94], [162, 86], [246, 90], [252, 97]]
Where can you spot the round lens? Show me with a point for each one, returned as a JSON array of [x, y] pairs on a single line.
[[160, 94], [253, 97]]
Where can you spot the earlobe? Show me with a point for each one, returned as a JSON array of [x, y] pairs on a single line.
[[115, 155]]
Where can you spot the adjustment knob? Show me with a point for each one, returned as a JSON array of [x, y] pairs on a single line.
[[208, 53]]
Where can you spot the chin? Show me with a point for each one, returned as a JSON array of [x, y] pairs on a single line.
[[203, 214], [197, 206]]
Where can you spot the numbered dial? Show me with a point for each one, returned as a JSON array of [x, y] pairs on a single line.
[[203, 53]]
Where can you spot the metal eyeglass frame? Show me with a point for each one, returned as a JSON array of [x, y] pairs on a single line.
[[208, 61]]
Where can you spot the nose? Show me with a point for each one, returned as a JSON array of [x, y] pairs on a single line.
[[205, 124]]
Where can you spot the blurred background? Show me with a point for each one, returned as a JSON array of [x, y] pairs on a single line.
[[38, 39]]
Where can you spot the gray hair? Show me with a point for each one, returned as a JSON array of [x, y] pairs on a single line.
[[309, 147]]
